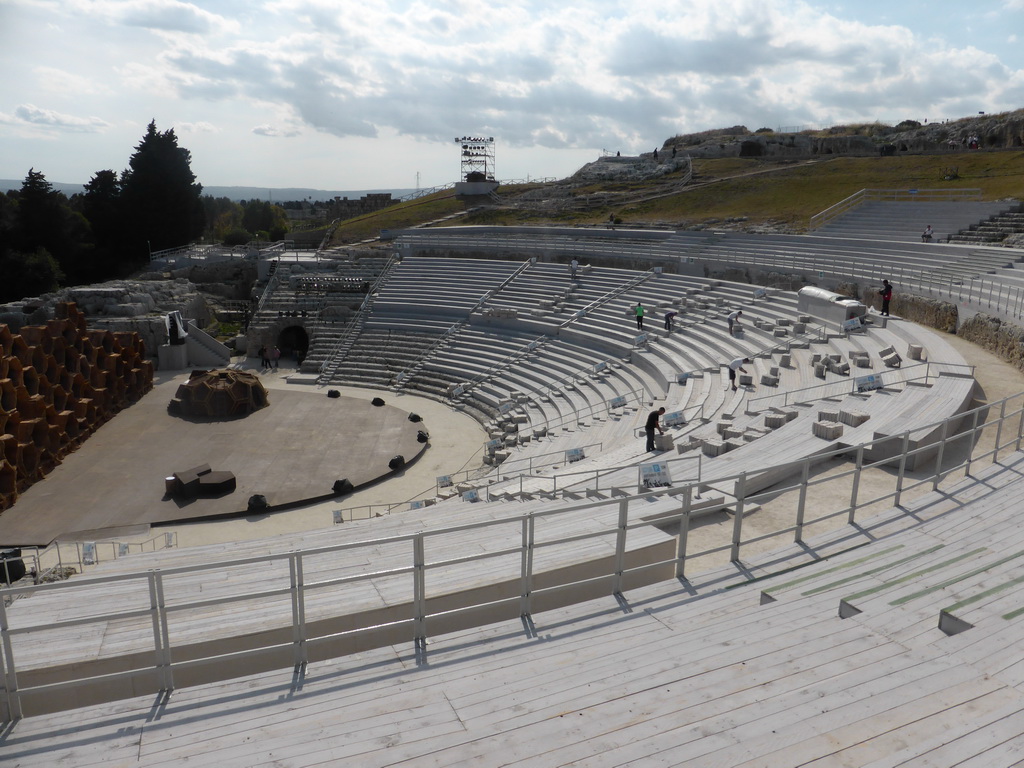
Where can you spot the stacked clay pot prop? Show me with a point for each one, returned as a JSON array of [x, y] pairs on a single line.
[[58, 383]]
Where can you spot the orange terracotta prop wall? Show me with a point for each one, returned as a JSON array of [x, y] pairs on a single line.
[[58, 383]]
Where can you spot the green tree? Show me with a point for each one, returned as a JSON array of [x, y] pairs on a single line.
[[161, 202], [28, 274], [222, 216], [23, 274], [101, 206], [45, 221], [261, 217]]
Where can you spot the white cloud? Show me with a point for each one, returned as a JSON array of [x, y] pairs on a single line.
[[200, 127], [592, 74], [274, 131], [61, 81], [47, 118]]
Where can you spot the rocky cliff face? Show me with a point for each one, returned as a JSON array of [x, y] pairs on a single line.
[[1000, 337], [1002, 131], [118, 305]]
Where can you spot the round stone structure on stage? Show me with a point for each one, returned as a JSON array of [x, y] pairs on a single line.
[[220, 394]]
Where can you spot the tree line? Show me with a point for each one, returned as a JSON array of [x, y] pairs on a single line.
[[48, 240]]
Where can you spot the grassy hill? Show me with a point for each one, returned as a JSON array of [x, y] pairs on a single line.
[[735, 192]]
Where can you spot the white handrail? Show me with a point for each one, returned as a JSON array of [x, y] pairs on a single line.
[[158, 592]]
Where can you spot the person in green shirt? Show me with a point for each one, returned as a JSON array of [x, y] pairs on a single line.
[[638, 310]]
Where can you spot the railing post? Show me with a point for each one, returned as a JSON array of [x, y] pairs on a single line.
[[298, 593], [858, 470], [1020, 426], [526, 567], [737, 523], [974, 434], [10, 671], [161, 635], [620, 546], [419, 587], [903, 469], [798, 535], [684, 531], [938, 456], [999, 432]]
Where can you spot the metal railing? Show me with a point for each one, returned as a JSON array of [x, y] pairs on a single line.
[[632, 398], [589, 480], [924, 372], [819, 220], [354, 327], [55, 560], [294, 577], [533, 462], [982, 291]]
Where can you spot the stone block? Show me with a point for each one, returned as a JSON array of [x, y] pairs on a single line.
[[915, 351], [768, 380], [827, 430], [780, 332], [775, 420], [746, 379], [852, 417], [774, 370], [819, 370], [828, 414], [799, 328], [815, 358], [712, 447], [785, 360]]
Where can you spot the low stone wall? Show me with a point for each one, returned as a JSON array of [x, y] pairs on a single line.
[[934, 313], [997, 336]]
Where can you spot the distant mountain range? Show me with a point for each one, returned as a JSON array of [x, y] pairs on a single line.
[[277, 195]]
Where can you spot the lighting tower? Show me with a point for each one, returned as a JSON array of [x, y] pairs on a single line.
[[477, 158]]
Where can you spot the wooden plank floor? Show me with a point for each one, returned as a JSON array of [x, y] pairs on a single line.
[[679, 673]]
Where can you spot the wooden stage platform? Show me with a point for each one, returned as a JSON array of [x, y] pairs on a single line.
[[293, 450]]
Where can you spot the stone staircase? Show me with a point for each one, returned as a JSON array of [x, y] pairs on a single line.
[[994, 230]]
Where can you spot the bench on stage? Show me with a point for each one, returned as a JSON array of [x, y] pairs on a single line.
[[200, 481]]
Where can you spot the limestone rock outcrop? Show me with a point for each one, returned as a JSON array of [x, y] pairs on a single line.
[[997, 336]]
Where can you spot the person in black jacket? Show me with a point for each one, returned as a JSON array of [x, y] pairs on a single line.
[[886, 294], [652, 424]]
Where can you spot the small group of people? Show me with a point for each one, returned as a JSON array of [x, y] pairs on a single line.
[[269, 359], [640, 312], [654, 417]]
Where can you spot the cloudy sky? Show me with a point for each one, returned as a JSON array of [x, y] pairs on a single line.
[[336, 94]]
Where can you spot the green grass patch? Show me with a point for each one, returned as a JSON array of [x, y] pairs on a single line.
[[782, 191], [398, 216]]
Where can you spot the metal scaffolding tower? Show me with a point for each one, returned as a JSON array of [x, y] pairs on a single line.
[[477, 158]]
